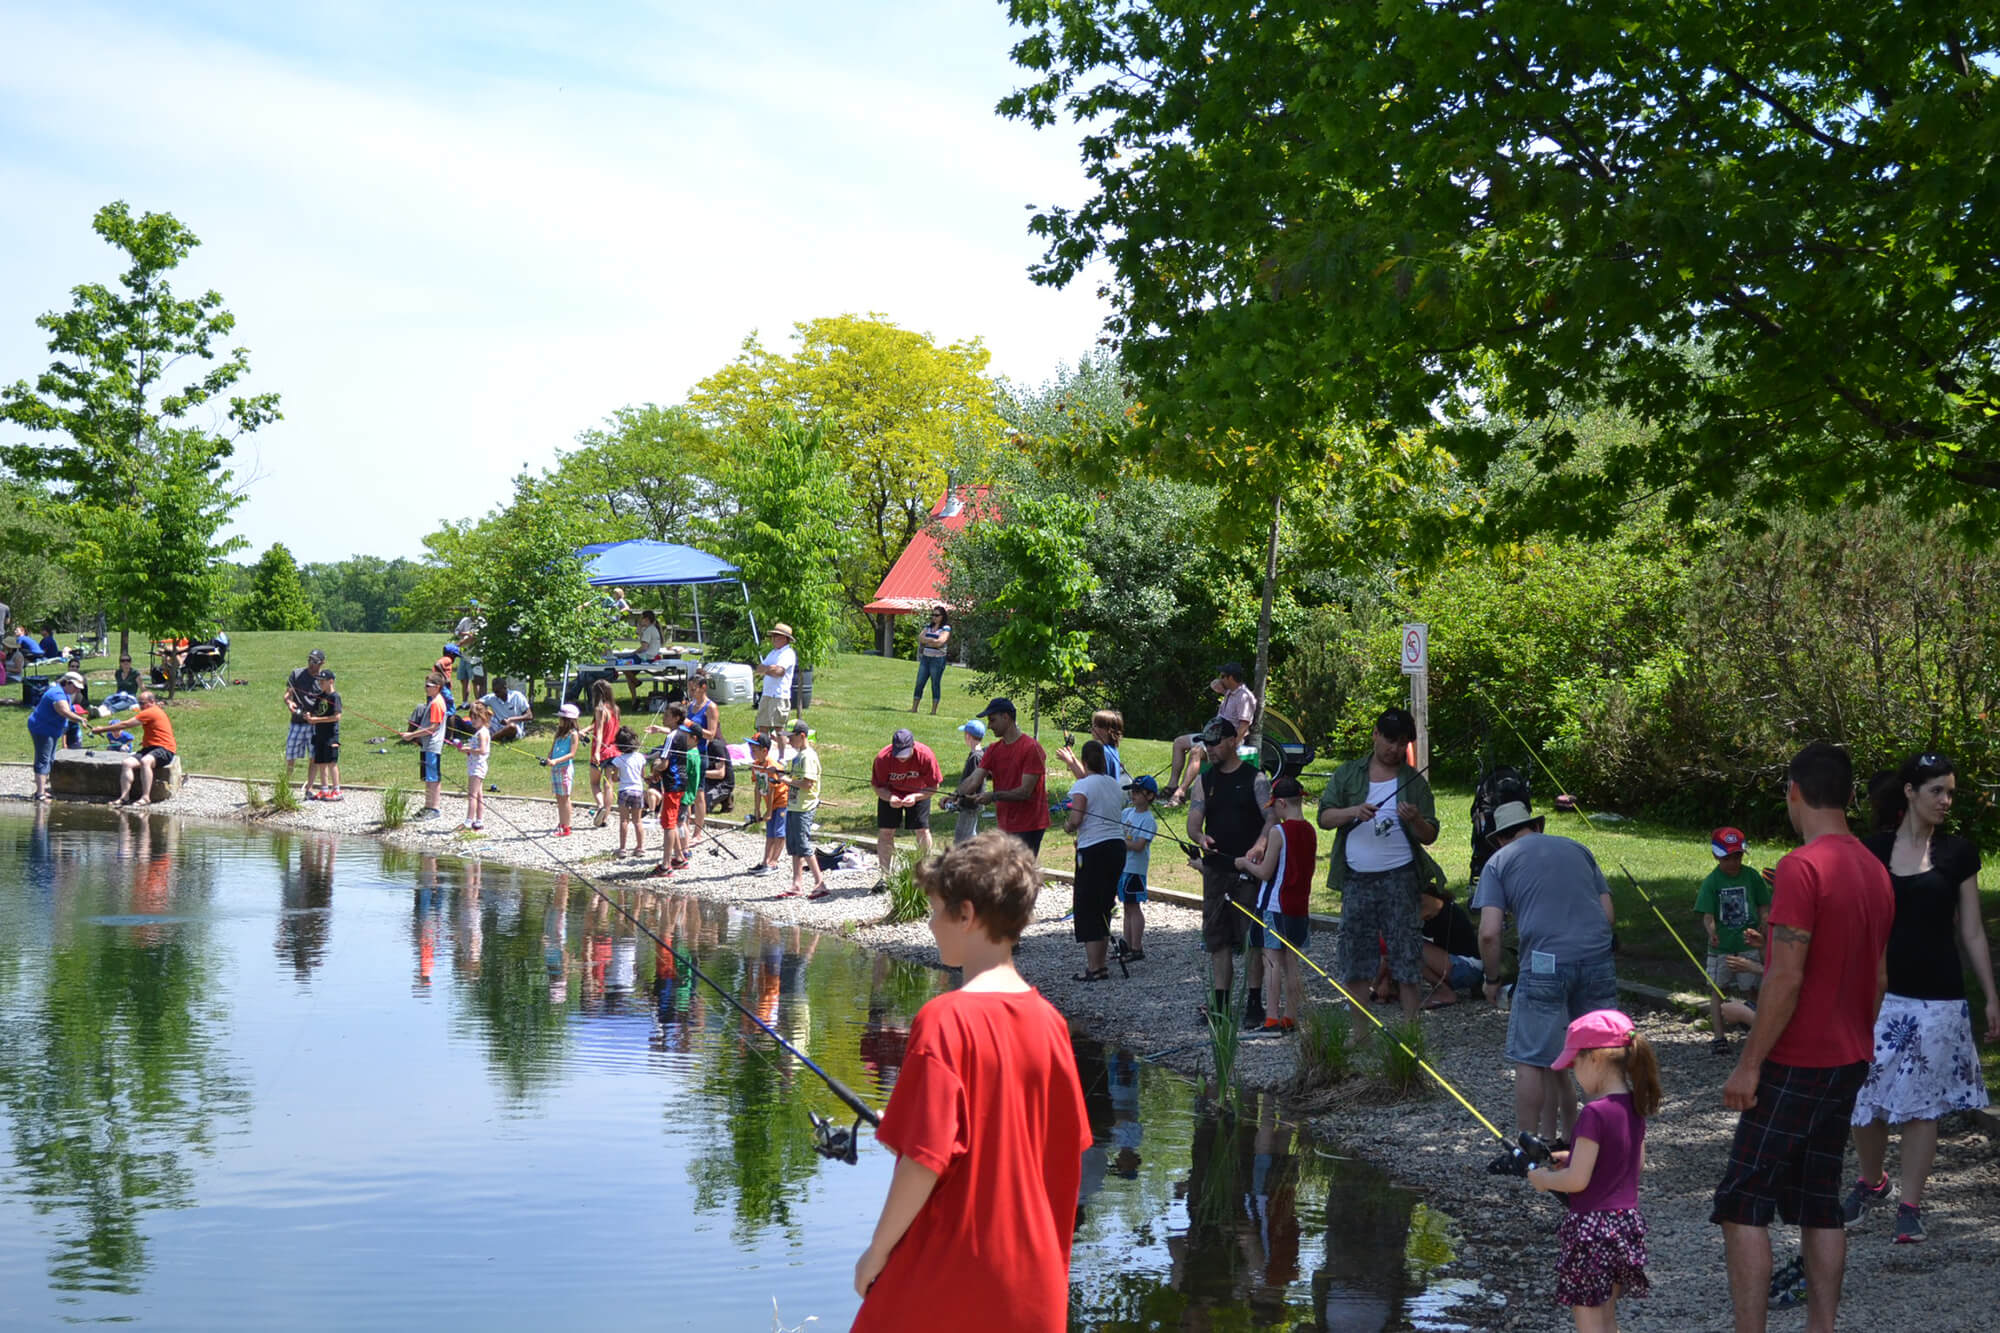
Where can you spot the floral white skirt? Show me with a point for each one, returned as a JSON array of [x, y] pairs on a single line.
[[1925, 1063]]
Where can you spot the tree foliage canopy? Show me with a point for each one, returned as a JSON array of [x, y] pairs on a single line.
[[791, 495], [1764, 230], [648, 471], [897, 411], [277, 598]]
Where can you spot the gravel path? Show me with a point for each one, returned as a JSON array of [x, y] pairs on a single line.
[[1506, 1231]]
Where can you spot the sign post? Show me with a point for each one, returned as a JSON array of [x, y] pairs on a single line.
[[1416, 664]]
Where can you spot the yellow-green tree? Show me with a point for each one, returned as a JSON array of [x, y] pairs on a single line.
[[898, 411]]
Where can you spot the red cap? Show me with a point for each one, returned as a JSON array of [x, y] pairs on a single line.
[[1597, 1029], [1725, 842]]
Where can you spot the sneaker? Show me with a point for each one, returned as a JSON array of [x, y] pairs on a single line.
[[431, 812], [1253, 1018], [760, 869], [1788, 1284], [1720, 1045], [1863, 1197], [478, 824], [1909, 1225], [879, 886], [563, 832]]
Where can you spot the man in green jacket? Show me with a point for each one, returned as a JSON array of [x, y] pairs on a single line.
[[1385, 817]]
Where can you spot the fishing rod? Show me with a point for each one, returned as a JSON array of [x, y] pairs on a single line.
[[1630, 878], [829, 1140], [1522, 1153]]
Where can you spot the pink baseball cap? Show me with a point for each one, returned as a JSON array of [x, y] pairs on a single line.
[[1596, 1029]]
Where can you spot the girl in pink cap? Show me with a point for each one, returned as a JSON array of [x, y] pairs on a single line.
[[1604, 1237]]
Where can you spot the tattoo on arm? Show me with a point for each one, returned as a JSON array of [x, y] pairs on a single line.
[[1791, 934]]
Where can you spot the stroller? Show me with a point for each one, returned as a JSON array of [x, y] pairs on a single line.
[[205, 664]]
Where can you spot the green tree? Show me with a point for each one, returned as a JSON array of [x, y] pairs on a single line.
[[118, 427], [1762, 229], [163, 559], [792, 496], [649, 471], [1038, 558], [898, 412], [360, 594], [543, 612], [277, 597]]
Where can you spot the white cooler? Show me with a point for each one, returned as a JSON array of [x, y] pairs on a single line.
[[731, 683]]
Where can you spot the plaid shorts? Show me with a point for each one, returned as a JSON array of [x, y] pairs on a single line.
[[1381, 905], [1789, 1149], [299, 741]]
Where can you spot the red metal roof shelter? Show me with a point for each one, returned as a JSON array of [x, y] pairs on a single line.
[[914, 583]]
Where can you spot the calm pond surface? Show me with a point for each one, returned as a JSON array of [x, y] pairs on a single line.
[[254, 1081]]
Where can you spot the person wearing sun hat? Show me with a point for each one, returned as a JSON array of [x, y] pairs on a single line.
[[1562, 912], [1731, 900], [776, 669]]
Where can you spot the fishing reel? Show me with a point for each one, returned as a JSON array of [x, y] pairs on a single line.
[[1521, 1156], [834, 1143]]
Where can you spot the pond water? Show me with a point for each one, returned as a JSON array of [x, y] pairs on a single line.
[[252, 1081]]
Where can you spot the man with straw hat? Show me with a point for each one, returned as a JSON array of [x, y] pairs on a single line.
[[1563, 916], [777, 667]]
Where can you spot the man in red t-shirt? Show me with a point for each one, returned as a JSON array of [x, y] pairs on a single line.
[[1014, 759], [1808, 1051], [906, 776]]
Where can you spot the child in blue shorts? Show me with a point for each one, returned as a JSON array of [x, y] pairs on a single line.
[[1140, 826], [1282, 864]]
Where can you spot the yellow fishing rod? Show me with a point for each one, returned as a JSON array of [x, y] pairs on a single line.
[[1630, 878], [1362, 1009]]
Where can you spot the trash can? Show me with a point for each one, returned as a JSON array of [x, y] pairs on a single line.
[[802, 689]]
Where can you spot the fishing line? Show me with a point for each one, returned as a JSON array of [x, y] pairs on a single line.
[[830, 1140], [1362, 1009], [1630, 878]]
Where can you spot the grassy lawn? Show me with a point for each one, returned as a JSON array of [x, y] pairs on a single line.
[[859, 702]]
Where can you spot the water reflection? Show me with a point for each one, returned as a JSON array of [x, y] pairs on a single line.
[[424, 1045], [112, 1067]]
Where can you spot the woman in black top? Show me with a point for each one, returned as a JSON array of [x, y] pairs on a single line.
[[1925, 1063]]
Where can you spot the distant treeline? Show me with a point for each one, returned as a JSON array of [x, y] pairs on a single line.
[[360, 595]]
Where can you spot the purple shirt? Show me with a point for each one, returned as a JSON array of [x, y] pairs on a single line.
[[1619, 1133]]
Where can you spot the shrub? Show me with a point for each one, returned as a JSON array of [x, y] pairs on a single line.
[[395, 807], [1324, 1055], [1401, 1048], [283, 799], [906, 896]]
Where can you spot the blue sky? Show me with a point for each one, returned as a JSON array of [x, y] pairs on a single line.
[[453, 236]]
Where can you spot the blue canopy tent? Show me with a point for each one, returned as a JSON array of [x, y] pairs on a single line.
[[643, 563]]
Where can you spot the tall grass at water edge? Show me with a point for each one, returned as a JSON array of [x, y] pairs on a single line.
[[1325, 1055], [1401, 1048], [395, 807], [906, 897]]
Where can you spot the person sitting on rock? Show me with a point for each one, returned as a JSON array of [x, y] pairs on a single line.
[[154, 755]]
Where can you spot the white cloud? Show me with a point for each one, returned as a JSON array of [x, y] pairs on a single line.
[[449, 259]]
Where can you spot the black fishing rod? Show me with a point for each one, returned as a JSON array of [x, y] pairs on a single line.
[[829, 1140], [1577, 805]]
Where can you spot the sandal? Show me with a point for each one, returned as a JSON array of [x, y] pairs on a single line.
[[1101, 974], [1135, 955], [821, 892]]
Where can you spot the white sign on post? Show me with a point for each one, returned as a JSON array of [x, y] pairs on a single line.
[[1416, 649]]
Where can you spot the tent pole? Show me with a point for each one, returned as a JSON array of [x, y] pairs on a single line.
[[694, 591], [755, 637]]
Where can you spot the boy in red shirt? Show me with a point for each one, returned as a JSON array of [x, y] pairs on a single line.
[[987, 1122]]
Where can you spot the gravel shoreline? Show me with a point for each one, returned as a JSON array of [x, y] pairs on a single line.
[[1505, 1231]]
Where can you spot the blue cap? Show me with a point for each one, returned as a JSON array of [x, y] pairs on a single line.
[[1144, 782], [975, 729]]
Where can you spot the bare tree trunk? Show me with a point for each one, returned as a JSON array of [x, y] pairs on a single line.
[[1263, 668]]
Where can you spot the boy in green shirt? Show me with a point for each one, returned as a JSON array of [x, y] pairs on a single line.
[[1731, 902]]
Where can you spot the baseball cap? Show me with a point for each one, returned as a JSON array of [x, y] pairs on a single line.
[[998, 706], [1725, 842], [569, 711], [1218, 730], [904, 743], [315, 656], [1145, 783], [975, 728], [1595, 1030], [758, 742], [71, 678], [326, 675], [799, 728]]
